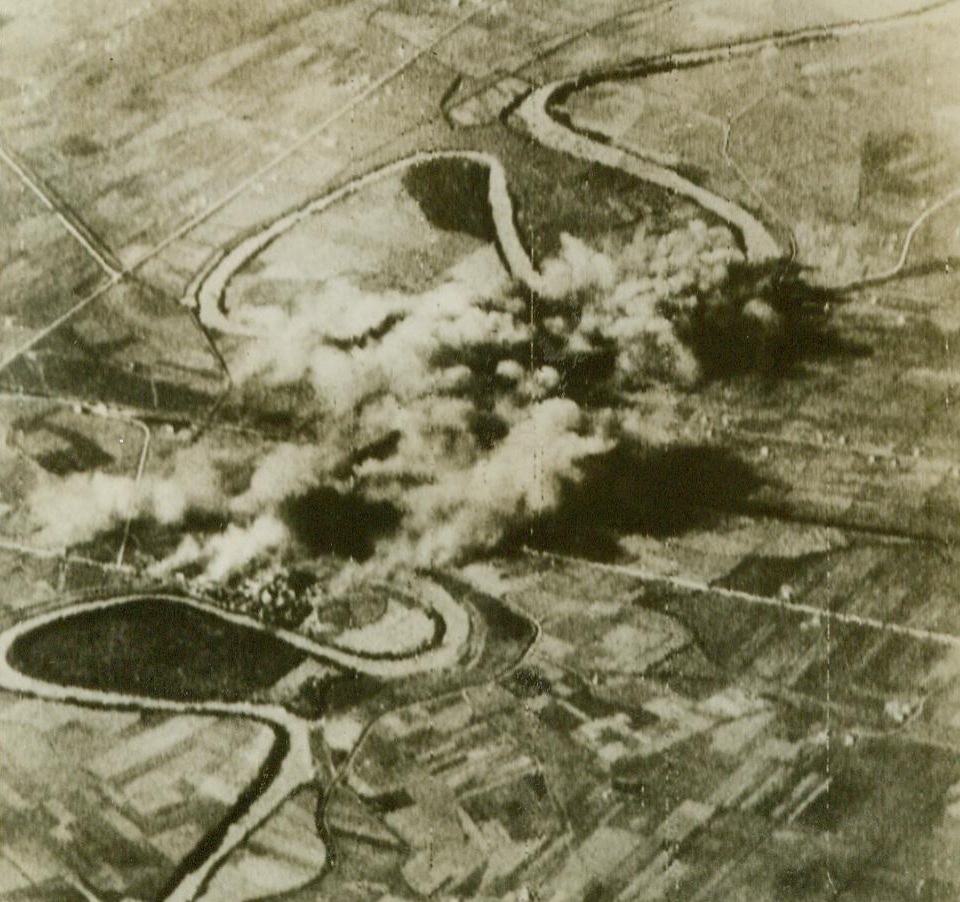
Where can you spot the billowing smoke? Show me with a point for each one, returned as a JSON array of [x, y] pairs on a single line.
[[230, 550], [578, 267], [460, 408], [80, 506], [286, 471], [354, 346], [469, 507]]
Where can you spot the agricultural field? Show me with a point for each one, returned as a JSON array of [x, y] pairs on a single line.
[[454, 449], [823, 142]]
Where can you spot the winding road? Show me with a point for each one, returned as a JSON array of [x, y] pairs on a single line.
[[539, 117]]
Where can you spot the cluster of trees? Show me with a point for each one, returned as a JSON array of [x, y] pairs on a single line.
[[277, 597]]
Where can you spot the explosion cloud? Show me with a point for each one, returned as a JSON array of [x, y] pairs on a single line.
[[467, 392], [82, 505]]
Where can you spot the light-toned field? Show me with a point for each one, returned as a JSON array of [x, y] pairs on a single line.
[[730, 700], [402, 630], [379, 238], [844, 143], [114, 798], [141, 125]]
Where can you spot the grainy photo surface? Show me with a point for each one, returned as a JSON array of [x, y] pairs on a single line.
[[479, 450]]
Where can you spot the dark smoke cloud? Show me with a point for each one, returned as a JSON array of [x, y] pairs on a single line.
[[462, 389]]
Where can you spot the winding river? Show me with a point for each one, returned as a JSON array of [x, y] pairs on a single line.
[[540, 115], [294, 768]]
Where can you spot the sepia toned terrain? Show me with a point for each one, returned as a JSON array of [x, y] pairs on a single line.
[[496, 450]]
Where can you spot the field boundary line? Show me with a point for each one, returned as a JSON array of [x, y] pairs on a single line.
[[701, 588]]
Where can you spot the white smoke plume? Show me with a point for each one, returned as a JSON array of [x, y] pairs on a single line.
[[239, 545], [334, 340], [286, 471], [576, 268], [80, 506], [522, 477], [486, 427]]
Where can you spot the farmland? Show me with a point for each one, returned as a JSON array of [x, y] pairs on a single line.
[[479, 450]]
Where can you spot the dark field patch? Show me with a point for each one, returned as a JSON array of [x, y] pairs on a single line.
[[764, 575], [326, 521], [453, 195], [156, 649], [631, 489]]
